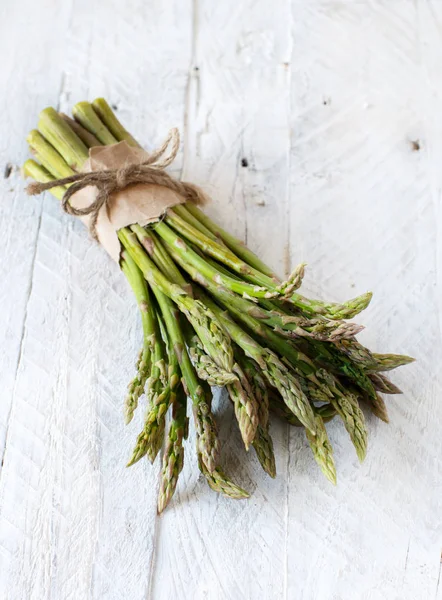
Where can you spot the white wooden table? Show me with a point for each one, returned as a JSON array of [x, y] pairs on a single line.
[[317, 128]]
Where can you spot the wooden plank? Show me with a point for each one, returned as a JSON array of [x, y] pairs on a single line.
[[17, 213], [75, 523], [237, 143], [27, 74], [363, 214]]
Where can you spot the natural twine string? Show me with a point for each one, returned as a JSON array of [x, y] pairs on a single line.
[[109, 181]]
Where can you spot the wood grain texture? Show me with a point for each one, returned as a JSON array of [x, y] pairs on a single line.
[[316, 127]]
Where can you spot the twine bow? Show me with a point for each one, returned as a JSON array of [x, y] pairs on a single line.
[[109, 181]]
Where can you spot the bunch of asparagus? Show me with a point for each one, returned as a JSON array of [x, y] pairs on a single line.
[[213, 314]]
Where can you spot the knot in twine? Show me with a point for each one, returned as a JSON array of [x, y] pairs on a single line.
[[109, 181]]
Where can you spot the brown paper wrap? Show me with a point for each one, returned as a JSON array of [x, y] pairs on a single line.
[[140, 203]]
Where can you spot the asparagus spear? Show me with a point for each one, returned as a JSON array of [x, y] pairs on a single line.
[[347, 407], [139, 287], [220, 482], [39, 173], [230, 241], [207, 438], [262, 442], [107, 116], [160, 257], [63, 138], [298, 360], [214, 249], [205, 367], [378, 407], [212, 336], [85, 136], [382, 384], [328, 356], [279, 408], [286, 325], [245, 405], [48, 156], [332, 310], [257, 384], [322, 450], [158, 411], [173, 458], [206, 269], [160, 394], [88, 118], [387, 362], [356, 352], [276, 373], [184, 213], [263, 445]]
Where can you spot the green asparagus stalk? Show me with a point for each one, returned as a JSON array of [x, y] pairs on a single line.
[[230, 241], [161, 402], [262, 442], [49, 158], [205, 367], [39, 173], [332, 310], [276, 373], [378, 408], [173, 458], [207, 437], [160, 394], [221, 483], [87, 117], [257, 384], [207, 442], [277, 406], [217, 479], [108, 118], [285, 325], [58, 133], [184, 213], [263, 445], [382, 384], [387, 362], [139, 287], [356, 352], [206, 269], [88, 138], [215, 342], [158, 411], [214, 249], [288, 287], [160, 257], [328, 356], [322, 450], [245, 406], [347, 407]]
